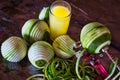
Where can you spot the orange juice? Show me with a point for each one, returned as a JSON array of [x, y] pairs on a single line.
[[59, 21], [60, 11]]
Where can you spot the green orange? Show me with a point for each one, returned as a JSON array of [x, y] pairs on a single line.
[[95, 36], [35, 30], [14, 49], [63, 46]]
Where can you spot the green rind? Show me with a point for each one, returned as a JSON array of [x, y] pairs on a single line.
[[30, 30], [90, 35], [38, 76], [14, 49], [40, 51], [27, 27], [34, 30], [93, 34], [40, 62], [46, 35], [97, 42], [44, 14], [11, 45], [47, 16], [92, 31], [88, 27], [63, 46]]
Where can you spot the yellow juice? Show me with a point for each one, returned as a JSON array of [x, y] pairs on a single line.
[[59, 21]]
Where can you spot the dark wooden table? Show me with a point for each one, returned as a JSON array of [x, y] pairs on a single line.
[[14, 13]]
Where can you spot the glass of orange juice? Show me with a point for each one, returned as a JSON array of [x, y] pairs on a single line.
[[59, 18]]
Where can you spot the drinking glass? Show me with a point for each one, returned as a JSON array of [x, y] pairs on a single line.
[[59, 18]]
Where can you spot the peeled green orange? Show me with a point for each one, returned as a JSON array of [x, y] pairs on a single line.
[[14, 49], [63, 46], [95, 36], [35, 30], [40, 53]]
